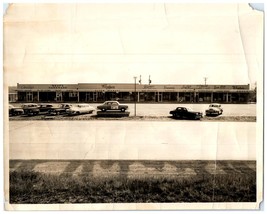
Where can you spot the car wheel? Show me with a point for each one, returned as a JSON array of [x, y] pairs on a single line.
[[123, 109]]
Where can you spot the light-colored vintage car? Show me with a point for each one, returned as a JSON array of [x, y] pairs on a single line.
[[214, 109], [80, 109], [112, 105]]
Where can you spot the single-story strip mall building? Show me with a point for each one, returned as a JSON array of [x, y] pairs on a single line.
[[97, 92]]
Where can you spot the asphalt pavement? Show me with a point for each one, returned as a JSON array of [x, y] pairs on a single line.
[[132, 140]]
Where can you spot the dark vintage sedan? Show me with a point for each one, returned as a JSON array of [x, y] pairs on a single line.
[[185, 113], [31, 109], [45, 107], [15, 110], [60, 109], [112, 105]]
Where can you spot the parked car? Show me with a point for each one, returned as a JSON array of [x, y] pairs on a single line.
[[61, 109], [14, 110], [45, 107], [112, 105], [31, 109], [214, 109], [185, 113], [80, 109]]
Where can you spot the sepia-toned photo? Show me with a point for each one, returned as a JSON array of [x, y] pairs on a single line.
[[130, 106]]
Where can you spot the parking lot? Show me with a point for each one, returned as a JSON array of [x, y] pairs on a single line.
[[164, 109], [137, 140]]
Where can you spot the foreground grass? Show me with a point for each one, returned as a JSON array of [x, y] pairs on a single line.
[[35, 187]]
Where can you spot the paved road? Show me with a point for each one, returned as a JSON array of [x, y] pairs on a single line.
[[132, 140]]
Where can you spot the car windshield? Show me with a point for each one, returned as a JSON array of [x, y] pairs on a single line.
[[189, 109]]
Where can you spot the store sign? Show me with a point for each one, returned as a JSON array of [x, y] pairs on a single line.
[[187, 86], [169, 87], [148, 86], [26, 87], [107, 86], [240, 87], [57, 87]]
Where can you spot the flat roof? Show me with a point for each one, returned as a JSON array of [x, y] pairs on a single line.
[[126, 87]]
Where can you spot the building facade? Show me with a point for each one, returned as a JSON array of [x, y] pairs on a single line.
[[93, 92], [12, 94]]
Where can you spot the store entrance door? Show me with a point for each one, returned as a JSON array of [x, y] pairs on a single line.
[[87, 97], [29, 97], [94, 96], [158, 96]]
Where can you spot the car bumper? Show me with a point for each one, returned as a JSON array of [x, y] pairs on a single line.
[[212, 113]]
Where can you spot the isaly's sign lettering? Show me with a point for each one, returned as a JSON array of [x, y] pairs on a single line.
[[57, 86]]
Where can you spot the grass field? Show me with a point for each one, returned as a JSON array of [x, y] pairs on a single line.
[[42, 182]]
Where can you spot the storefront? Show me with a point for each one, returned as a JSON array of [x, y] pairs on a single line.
[[12, 94], [83, 92]]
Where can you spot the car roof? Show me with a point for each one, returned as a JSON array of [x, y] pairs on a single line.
[[29, 104], [45, 104], [111, 101], [83, 104]]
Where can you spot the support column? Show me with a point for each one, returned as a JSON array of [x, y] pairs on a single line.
[[177, 96], [211, 97], [37, 96], [227, 97], [78, 96], [138, 97]]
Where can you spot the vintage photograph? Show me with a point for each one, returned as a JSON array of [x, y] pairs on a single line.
[[130, 106]]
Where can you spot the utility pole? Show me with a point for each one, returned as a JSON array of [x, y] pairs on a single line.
[[205, 79], [135, 96]]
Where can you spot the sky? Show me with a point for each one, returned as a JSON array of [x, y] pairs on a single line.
[[101, 43]]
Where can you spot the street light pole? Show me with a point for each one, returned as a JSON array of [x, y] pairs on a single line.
[[135, 96], [205, 79]]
